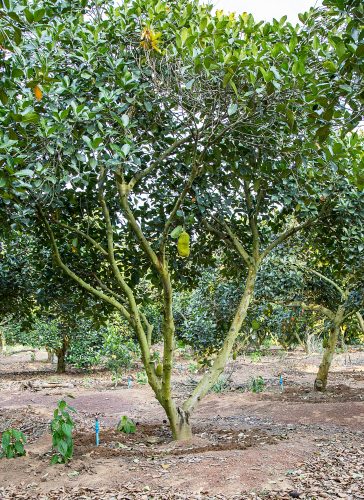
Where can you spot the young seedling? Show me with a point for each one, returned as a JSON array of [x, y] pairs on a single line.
[[12, 443], [62, 426]]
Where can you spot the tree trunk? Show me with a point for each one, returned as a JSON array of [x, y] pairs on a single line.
[[61, 357], [308, 342], [221, 359], [179, 422], [360, 321], [322, 374], [2, 342]]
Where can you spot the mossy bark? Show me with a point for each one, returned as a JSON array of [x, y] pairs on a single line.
[[324, 368], [221, 359]]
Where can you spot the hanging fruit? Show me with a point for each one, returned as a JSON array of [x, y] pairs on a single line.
[[37, 92], [183, 244]]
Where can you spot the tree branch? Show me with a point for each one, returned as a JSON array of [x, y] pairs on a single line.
[[238, 245], [123, 193], [74, 276], [252, 220], [309, 307], [295, 229], [194, 173], [138, 176], [323, 277], [83, 235]]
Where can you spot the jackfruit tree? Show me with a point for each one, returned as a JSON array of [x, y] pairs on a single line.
[[153, 115]]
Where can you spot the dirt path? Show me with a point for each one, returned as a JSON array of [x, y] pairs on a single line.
[[244, 443]]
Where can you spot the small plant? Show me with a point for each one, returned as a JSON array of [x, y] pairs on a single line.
[[62, 426], [116, 377], [12, 444], [155, 356], [32, 357], [141, 378], [126, 425], [255, 356], [257, 384], [192, 368], [220, 385]]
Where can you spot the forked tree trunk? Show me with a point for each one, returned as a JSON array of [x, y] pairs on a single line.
[[179, 417], [179, 422], [323, 372]]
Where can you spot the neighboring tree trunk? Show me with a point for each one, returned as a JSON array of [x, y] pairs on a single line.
[[323, 372], [360, 321], [2, 342], [61, 356], [308, 342], [50, 357]]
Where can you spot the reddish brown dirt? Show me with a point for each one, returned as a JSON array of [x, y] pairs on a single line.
[[244, 443]]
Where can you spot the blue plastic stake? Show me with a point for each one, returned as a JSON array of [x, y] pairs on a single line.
[[281, 382], [130, 382], [97, 430]]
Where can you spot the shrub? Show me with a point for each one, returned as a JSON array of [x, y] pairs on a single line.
[[12, 443], [126, 425], [257, 384]]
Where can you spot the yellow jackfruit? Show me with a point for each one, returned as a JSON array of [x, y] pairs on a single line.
[[159, 370], [38, 93], [183, 244]]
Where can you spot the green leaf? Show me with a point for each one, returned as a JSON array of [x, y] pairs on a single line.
[[3, 97], [96, 141], [330, 66], [184, 34], [67, 429], [176, 232], [26, 172], [55, 459], [323, 132], [340, 48], [28, 15], [360, 51], [31, 116], [233, 86], [232, 108], [290, 118], [125, 120], [255, 324], [38, 14], [126, 149]]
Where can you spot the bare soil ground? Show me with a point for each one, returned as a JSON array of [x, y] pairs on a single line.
[[273, 444]]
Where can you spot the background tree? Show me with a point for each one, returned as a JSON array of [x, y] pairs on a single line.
[[323, 273]]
